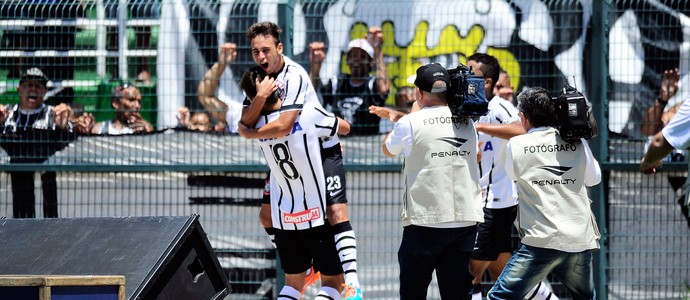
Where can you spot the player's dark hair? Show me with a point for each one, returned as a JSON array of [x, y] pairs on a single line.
[[248, 83], [264, 28]]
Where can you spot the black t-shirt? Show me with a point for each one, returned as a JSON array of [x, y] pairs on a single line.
[[352, 103]]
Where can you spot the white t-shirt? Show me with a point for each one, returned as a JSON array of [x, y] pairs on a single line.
[[498, 190], [108, 128], [298, 189], [295, 86], [400, 139], [296, 90]]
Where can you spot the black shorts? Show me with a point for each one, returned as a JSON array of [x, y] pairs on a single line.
[[494, 235], [298, 248], [332, 159], [335, 174]]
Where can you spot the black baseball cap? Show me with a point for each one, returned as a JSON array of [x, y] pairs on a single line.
[[34, 74], [427, 75]]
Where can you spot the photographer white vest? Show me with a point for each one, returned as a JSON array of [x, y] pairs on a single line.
[[552, 176], [441, 171]]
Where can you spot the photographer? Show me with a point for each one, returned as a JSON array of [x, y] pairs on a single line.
[[499, 194], [442, 203], [557, 225]]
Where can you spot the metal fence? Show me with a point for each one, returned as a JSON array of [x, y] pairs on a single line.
[[614, 51]]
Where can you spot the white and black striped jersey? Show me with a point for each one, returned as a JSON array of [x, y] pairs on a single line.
[[298, 189], [498, 190], [295, 89], [294, 86]]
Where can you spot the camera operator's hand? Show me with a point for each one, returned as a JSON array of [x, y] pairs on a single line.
[[647, 167], [386, 113]]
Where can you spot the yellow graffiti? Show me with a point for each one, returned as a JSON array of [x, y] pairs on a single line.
[[509, 64], [403, 60]]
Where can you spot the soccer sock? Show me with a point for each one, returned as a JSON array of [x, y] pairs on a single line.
[[477, 291], [346, 245], [272, 235], [327, 293], [541, 291], [289, 293]]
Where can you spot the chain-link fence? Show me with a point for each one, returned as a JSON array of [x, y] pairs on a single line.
[[621, 54]]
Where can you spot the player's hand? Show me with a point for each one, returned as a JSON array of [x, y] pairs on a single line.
[[228, 53], [265, 88], [317, 52]]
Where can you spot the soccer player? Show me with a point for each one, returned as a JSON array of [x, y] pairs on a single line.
[[294, 86], [298, 200]]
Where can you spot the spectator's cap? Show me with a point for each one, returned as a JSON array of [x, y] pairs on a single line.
[[361, 44], [427, 75], [34, 74]]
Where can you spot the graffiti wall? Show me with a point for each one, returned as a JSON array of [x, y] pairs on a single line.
[[538, 43]]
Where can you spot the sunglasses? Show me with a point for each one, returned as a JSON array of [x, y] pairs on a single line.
[[119, 91], [124, 85]]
